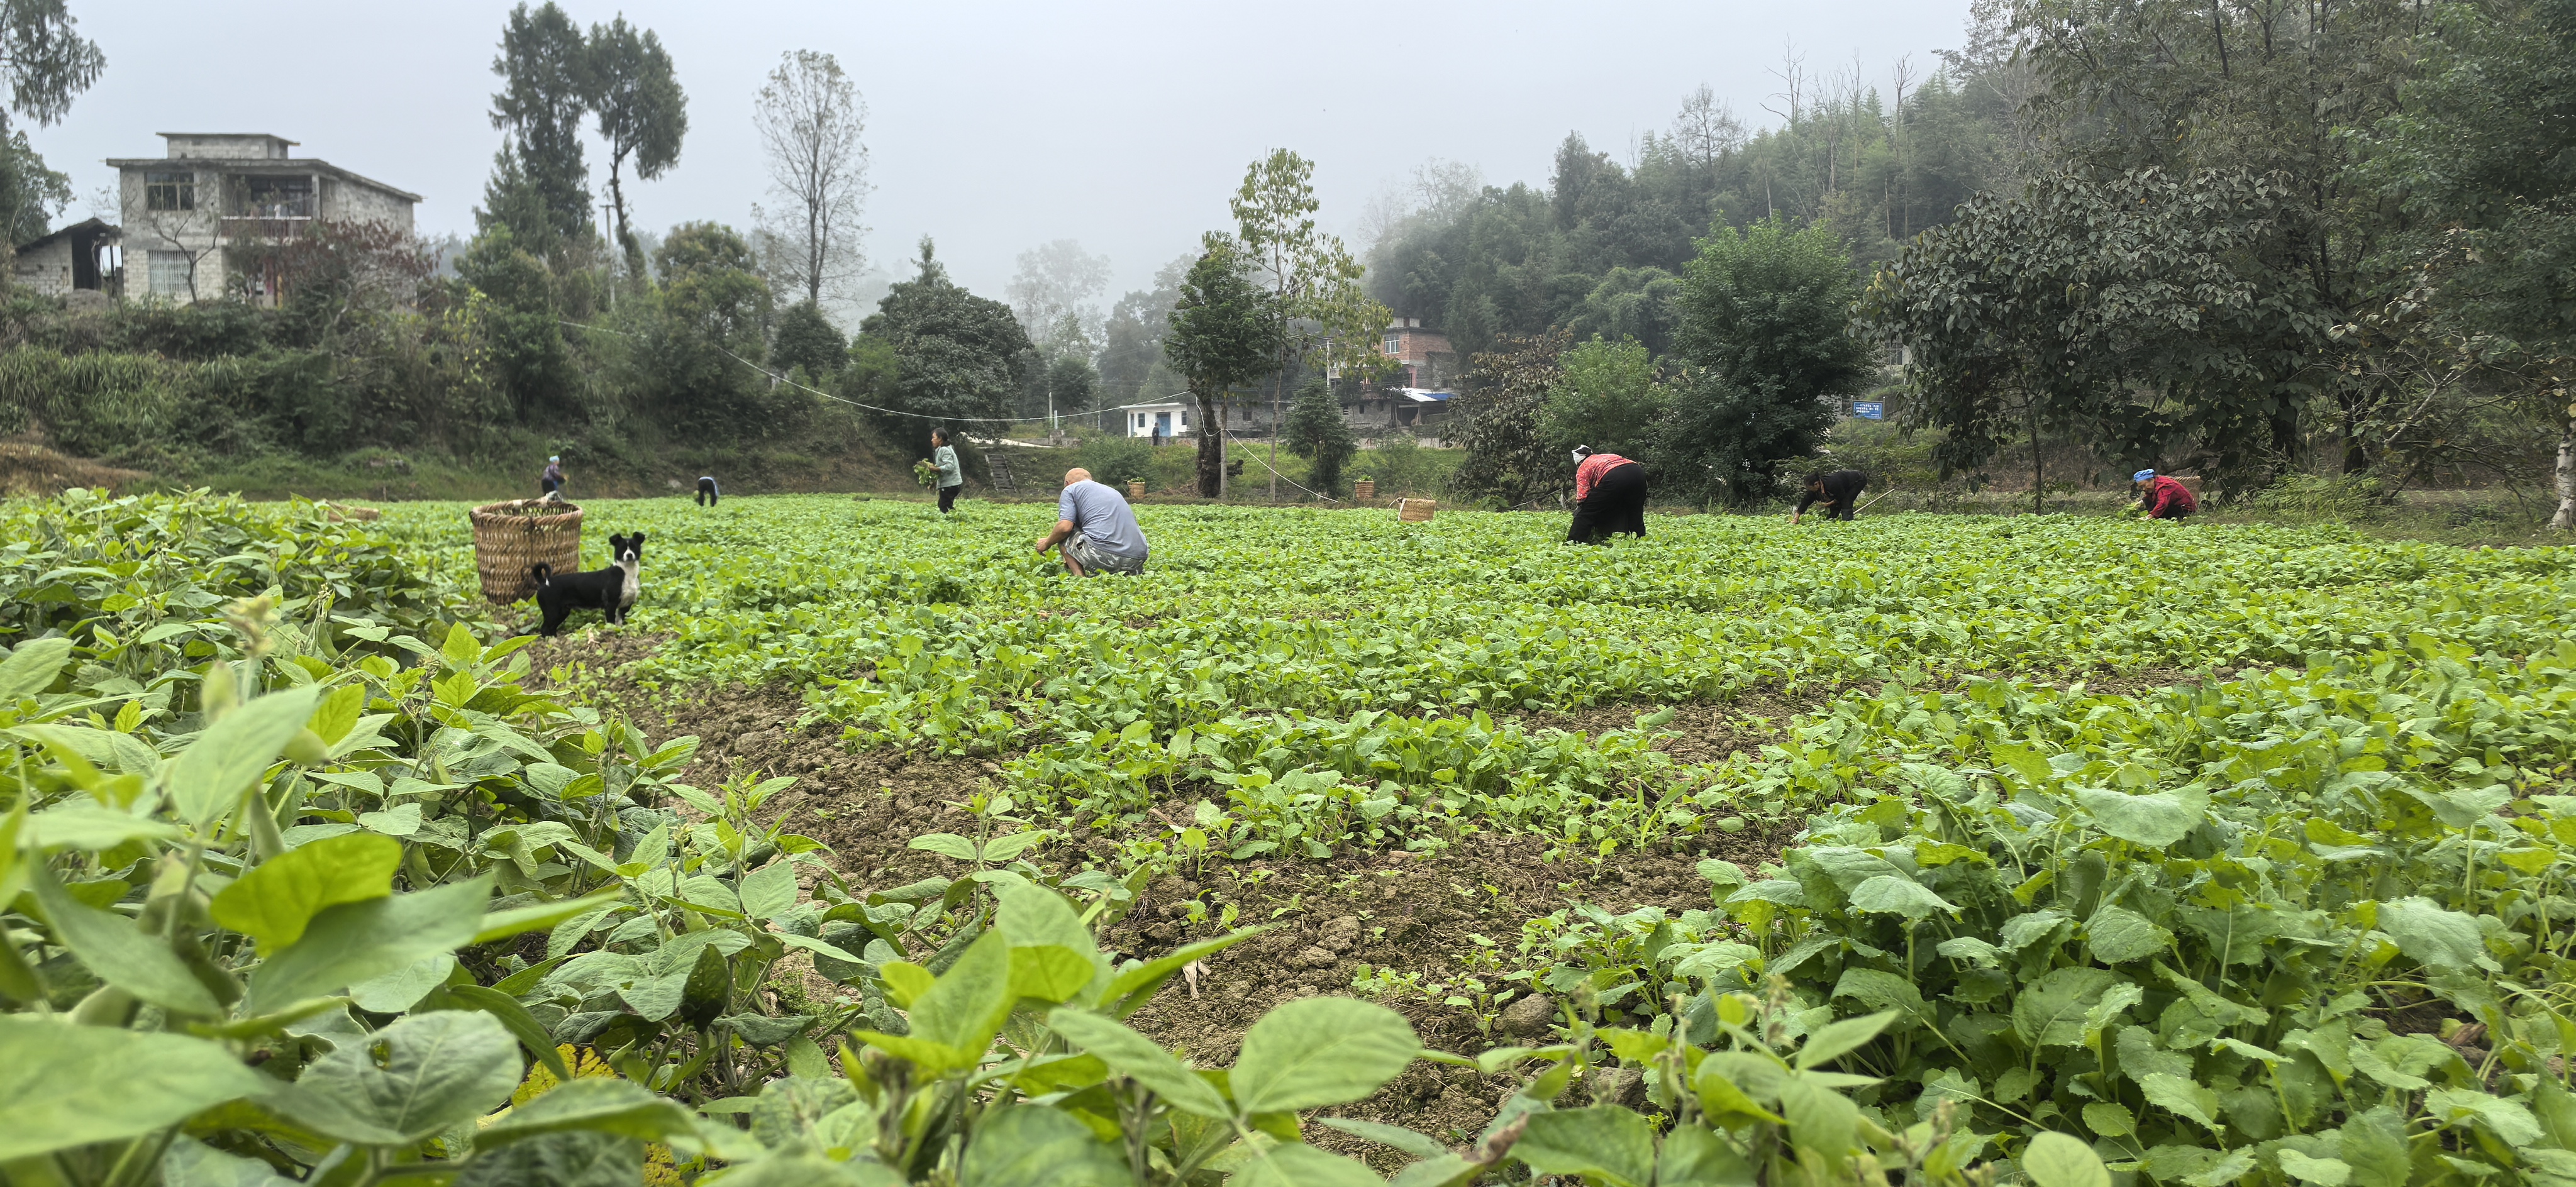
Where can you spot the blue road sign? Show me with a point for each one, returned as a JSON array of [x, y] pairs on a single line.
[[1869, 409]]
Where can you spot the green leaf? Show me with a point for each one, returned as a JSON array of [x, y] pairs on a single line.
[[2156, 821], [1050, 972], [2056, 1160], [1010, 845], [1604, 1143], [2324, 1172], [946, 845], [1320, 1051], [63, 1085], [598, 1104], [769, 890], [1029, 1146], [2033, 769], [1895, 894], [2049, 1012], [2181, 1097], [2435, 937], [32, 666], [2508, 1120], [1835, 1039], [273, 902], [408, 1081], [1820, 1119], [1140, 1059], [2109, 1119], [523, 1026], [1296, 1164], [1133, 987], [965, 1007], [2116, 935], [569, 1159], [121, 953], [191, 1163], [1695, 1156], [353, 942], [211, 774], [83, 824], [501, 925]]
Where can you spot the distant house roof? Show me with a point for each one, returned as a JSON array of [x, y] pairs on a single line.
[[86, 226], [259, 165], [1425, 395]]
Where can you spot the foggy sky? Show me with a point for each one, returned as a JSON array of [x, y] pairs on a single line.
[[992, 127]]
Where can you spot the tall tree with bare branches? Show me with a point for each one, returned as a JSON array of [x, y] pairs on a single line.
[[810, 119], [642, 115]]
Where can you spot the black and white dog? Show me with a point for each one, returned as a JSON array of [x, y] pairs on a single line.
[[613, 589]]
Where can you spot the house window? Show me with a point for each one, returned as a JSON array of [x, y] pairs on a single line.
[[1395, 344], [277, 197], [1183, 421], [169, 273], [169, 191]]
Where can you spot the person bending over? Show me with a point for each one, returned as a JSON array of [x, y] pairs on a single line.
[[2161, 497], [1096, 527], [1609, 497], [1839, 491], [550, 484], [952, 478], [706, 490]]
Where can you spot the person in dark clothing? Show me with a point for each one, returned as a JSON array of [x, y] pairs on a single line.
[[551, 483], [706, 490], [1609, 498], [1839, 491]]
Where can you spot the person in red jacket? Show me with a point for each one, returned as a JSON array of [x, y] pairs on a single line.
[[1609, 497], [2161, 497]]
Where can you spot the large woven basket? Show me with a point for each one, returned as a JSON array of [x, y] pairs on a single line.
[[510, 541], [1415, 510]]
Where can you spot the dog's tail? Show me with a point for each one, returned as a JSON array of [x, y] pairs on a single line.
[[543, 572]]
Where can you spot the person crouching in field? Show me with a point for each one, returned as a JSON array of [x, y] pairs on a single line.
[[1839, 491], [2161, 497], [1096, 527], [707, 490], [1609, 497]]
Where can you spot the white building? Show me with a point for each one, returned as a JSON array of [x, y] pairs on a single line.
[[192, 214], [1164, 420]]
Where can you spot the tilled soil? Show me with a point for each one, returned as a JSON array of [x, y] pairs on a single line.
[[1323, 919]]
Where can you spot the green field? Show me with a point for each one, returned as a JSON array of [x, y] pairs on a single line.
[[2227, 852]]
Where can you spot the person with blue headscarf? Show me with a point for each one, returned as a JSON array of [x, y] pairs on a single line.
[[2162, 496]]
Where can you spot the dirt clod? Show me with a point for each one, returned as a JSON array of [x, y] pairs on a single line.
[[1529, 1016]]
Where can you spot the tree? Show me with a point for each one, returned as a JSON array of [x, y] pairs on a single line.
[[541, 185], [1607, 395], [1764, 329], [807, 339], [1053, 293], [2144, 310], [1132, 368], [1499, 403], [1316, 431], [522, 320], [955, 354], [707, 340], [810, 119], [642, 115], [1323, 313], [2483, 159], [46, 65], [1224, 331]]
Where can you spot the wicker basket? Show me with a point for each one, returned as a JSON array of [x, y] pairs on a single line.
[[508, 546], [338, 512], [1135, 488], [1365, 488], [1415, 510]]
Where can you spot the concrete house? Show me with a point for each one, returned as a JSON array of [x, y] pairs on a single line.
[[80, 258], [192, 213]]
